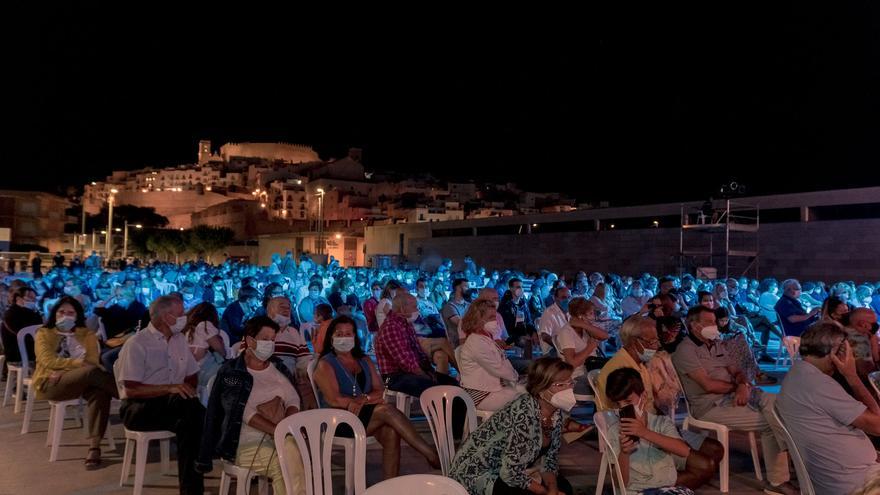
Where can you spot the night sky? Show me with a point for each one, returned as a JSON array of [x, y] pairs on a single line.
[[628, 105]]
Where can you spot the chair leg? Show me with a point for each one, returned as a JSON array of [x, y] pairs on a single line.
[[140, 465], [108, 435], [600, 481], [52, 408], [19, 385], [28, 411], [9, 386], [55, 429], [263, 485], [224, 484], [756, 459], [349, 468], [725, 462], [126, 461], [165, 454], [242, 486]]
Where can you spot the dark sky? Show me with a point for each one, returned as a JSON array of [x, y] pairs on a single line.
[[617, 103]]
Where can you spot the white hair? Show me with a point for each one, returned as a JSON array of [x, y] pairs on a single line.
[[162, 305]]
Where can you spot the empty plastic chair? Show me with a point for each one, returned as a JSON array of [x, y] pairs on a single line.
[[609, 457], [436, 403], [800, 468]]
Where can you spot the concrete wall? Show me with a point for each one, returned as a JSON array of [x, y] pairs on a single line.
[[830, 251]]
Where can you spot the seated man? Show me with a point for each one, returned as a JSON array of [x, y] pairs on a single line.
[[514, 310], [157, 375], [829, 426], [555, 317], [862, 336], [718, 391], [431, 331], [291, 348], [650, 452], [793, 318], [122, 316], [239, 312], [639, 338]]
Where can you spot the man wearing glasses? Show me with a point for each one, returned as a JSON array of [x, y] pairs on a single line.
[[830, 427]]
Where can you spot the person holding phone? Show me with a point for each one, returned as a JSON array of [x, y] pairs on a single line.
[[652, 456]]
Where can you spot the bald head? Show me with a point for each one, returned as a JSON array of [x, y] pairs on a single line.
[[863, 319]]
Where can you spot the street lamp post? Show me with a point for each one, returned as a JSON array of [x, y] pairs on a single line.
[[125, 239], [110, 224], [320, 221]]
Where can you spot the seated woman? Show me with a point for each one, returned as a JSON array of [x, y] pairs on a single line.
[[516, 450], [250, 396], [21, 313], [486, 373], [347, 379], [834, 310], [579, 340], [68, 367], [607, 315], [203, 335], [651, 455]]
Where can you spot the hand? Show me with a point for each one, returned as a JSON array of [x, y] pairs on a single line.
[[182, 389], [627, 446], [742, 394], [847, 365], [815, 311], [633, 427]]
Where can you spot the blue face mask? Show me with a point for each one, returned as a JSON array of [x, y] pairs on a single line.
[[563, 305]]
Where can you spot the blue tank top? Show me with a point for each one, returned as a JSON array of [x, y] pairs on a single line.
[[349, 384]]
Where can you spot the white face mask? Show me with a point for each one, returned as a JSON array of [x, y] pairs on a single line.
[[564, 400], [491, 326], [282, 321], [710, 333], [178, 325], [646, 355], [264, 349], [65, 323], [343, 344]]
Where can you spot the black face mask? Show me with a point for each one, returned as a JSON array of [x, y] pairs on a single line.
[[844, 320], [875, 327]]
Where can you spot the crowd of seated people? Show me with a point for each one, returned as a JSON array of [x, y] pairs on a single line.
[[176, 342]]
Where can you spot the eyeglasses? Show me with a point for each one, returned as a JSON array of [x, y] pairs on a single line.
[[565, 384], [649, 342]]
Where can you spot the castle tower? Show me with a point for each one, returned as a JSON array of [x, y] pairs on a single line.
[[204, 151]]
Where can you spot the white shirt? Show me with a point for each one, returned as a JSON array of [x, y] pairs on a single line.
[[632, 304], [268, 384], [567, 338], [149, 358], [552, 320], [382, 310], [200, 335], [484, 365], [500, 331]]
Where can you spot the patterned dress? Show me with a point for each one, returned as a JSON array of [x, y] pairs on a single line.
[[505, 446]]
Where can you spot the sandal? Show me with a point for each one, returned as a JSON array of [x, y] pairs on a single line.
[[93, 461]]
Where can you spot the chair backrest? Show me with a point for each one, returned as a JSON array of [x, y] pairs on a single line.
[[225, 337], [687, 405], [235, 350], [22, 348], [799, 467], [425, 484], [874, 378], [436, 403], [310, 370], [593, 379], [780, 323], [601, 421], [313, 432]]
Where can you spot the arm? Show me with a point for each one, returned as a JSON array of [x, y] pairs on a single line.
[[46, 356], [216, 344], [709, 384], [491, 362], [675, 446], [801, 318], [596, 332], [579, 358], [325, 380]]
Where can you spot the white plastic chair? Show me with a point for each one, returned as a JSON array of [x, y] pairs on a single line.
[[423, 484], [347, 444], [313, 432], [234, 350], [403, 402], [723, 434], [140, 441], [57, 415], [800, 468], [244, 477], [609, 457], [436, 403], [19, 372], [23, 380], [784, 354], [593, 379]]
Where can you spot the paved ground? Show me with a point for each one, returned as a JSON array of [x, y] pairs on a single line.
[[26, 469]]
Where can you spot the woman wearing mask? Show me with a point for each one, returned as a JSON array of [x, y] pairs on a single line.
[[251, 395], [834, 310], [203, 336], [635, 301], [486, 373], [67, 367], [580, 340], [347, 379], [735, 339], [384, 306], [768, 299], [22, 313], [516, 450]]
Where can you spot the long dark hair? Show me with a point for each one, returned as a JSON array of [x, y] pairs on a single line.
[[80, 314], [356, 351], [203, 311]]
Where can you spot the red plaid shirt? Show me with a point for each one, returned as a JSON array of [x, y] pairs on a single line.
[[397, 349]]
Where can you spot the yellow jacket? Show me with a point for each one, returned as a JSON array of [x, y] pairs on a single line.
[[48, 362]]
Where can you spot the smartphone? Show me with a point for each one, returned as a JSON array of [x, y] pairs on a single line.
[[629, 411]]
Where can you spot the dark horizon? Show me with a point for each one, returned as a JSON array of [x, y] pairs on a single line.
[[630, 110]]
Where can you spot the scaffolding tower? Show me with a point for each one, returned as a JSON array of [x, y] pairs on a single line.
[[724, 239]]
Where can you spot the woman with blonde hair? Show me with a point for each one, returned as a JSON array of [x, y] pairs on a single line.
[[486, 373]]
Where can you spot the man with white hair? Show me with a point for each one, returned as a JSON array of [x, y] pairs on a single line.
[[792, 316], [157, 376], [554, 318]]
